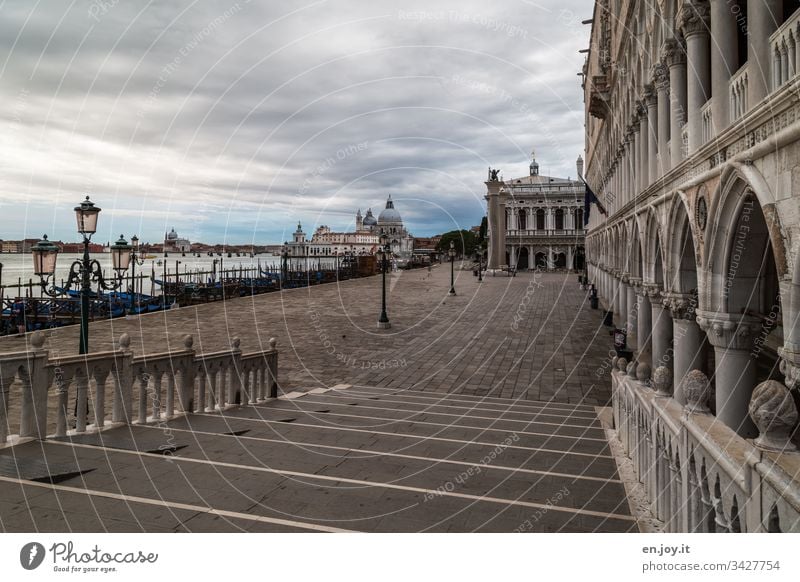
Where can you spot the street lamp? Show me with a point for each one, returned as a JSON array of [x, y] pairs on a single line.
[[82, 271], [480, 265], [383, 251], [136, 259], [452, 253]]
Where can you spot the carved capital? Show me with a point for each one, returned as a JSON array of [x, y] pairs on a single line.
[[728, 330], [681, 305], [674, 52], [650, 98], [661, 77], [694, 18]]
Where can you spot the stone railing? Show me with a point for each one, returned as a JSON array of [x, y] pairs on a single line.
[[40, 393], [546, 232], [707, 120], [785, 48], [697, 474], [737, 91]]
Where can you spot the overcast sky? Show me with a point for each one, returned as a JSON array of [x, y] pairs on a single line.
[[231, 121]]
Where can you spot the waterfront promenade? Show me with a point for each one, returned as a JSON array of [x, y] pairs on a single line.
[[472, 413], [532, 336]]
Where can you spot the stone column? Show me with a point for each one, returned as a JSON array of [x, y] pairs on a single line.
[[644, 331], [632, 325], [763, 17], [644, 154], [733, 337], [570, 258], [661, 81], [651, 101], [687, 338], [675, 57], [724, 60], [495, 219], [662, 329], [694, 23], [622, 296], [636, 156]]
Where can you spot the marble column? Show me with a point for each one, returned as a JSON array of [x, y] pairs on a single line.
[[651, 101], [636, 157], [661, 82], [662, 329], [644, 154], [675, 57], [733, 337], [763, 17], [687, 338], [632, 325], [495, 219], [724, 61], [694, 23], [645, 329], [622, 293]]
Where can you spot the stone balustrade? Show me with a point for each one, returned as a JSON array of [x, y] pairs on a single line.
[[698, 474], [785, 48], [707, 121], [40, 391], [737, 92]]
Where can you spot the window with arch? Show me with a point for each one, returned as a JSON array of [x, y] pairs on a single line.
[[523, 220], [540, 219], [559, 219]]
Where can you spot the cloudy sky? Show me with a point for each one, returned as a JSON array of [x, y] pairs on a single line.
[[232, 120]]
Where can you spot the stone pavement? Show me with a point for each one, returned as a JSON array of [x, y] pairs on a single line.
[[532, 336], [349, 459], [479, 412]]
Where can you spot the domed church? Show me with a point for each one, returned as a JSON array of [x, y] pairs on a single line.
[[390, 223]]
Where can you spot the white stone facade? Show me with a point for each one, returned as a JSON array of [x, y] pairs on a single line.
[[535, 222], [695, 154]]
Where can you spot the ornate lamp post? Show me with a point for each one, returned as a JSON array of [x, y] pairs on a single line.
[[83, 271], [136, 259], [383, 251], [452, 253]]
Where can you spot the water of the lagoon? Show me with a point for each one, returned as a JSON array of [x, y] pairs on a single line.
[[19, 267]]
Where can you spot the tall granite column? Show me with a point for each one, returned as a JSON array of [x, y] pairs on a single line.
[[733, 337], [675, 57], [687, 339], [661, 81], [763, 17], [724, 60], [694, 23]]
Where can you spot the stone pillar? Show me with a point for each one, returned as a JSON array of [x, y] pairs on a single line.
[[687, 340], [644, 154], [651, 101], [636, 156], [675, 57], [622, 305], [632, 325], [661, 81], [644, 331], [724, 60], [694, 23], [570, 258], [662, 329], [733, 337], [763, 17], [495, 219]]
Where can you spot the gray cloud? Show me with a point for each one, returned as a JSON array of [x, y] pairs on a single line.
[[236, 119]]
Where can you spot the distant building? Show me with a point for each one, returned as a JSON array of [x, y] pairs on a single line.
[[174, 243]]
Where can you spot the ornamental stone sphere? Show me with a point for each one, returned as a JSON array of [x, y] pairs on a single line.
[[37, 340], [188, 341], [124, 341], [622, 364], [696, 389], [662, 380], [643, 372], [775, 414], [614, 361], [631, 369]]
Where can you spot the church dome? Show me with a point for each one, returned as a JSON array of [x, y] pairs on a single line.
[[172, 235], [389, 214], [369, 219]]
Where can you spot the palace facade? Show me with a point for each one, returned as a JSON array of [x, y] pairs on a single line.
[[693, 146], [535, 222]]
